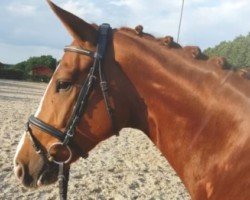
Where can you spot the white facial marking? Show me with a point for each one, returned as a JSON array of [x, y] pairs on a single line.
[[41, 102], [19, 146]]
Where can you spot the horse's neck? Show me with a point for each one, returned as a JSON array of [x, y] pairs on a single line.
[[193, 123]]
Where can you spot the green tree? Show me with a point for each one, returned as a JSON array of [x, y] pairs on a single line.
[[20, 66], [48, 61], [44, 60], [237, 51]]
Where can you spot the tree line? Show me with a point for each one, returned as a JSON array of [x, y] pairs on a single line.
[[23, 70], [237, 52], [44, 60]]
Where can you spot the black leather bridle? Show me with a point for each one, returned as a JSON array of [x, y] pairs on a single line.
[[66, 137]]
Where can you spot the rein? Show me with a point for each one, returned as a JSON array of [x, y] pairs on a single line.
[[66, 138]]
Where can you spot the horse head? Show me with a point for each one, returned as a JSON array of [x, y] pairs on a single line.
[[60, 103]]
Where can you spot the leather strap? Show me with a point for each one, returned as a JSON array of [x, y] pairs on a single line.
[[79, 50], [46, 128]]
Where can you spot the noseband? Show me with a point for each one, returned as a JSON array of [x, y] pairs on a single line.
[[66, 137]]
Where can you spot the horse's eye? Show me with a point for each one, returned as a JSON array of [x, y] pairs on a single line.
[[63, 86]]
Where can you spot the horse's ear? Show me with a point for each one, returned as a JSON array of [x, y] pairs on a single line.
[[78, 29]]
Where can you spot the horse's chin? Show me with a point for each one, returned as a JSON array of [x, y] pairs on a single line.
[[47, 177]]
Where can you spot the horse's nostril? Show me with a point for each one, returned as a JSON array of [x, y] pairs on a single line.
[[19, 171]]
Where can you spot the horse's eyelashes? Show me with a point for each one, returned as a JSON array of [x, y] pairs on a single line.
[[63, 86]]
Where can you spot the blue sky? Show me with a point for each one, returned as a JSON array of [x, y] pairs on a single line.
[[29, 28]]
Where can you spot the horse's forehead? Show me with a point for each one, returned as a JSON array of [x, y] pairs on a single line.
[[68, 64], [73, 63]]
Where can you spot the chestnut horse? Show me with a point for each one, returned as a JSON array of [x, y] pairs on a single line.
[[196, 113]]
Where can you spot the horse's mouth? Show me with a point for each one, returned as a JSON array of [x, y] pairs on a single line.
[[47, 176]]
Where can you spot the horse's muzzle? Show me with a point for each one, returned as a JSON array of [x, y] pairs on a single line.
[[32, 178]]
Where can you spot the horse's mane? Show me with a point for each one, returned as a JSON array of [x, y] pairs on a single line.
[[238, 77], [194, 51]]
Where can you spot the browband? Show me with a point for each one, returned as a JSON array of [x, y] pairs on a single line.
[[76, 49]]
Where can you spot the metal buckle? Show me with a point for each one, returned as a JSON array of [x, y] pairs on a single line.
[[97, 55], [91, 79], [60, 162], [104, 86], [69, 135]]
